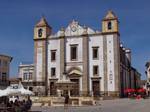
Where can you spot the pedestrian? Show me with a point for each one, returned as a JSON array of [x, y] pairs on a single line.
[[28, 103], [66, 102]]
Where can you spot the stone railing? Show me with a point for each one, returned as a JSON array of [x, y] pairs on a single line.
[[59, 101]]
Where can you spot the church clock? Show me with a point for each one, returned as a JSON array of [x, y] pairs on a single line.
[[74, 28]]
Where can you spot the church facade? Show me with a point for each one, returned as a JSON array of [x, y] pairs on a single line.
[[93, 60]]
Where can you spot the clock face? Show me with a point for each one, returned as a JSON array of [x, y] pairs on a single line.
[[40, 31], [74, 28]]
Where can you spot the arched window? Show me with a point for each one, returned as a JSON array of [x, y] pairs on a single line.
[[109, 25], [40, 32]]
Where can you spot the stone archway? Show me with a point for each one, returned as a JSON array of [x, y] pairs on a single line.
[[74, 75], [76, 90]]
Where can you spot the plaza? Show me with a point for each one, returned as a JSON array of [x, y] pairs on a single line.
[[118, 105], [74, 56]]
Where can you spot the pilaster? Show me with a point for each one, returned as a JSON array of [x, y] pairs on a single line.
[[85, 77], [117, 62], [105, 64]]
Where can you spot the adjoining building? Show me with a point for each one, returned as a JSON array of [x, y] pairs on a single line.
[[4, 70], [95, 61], [129, 76], [135, 79], [147, 65], [148, 71], [26, 74]]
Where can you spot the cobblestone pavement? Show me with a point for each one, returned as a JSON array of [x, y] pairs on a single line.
[[120, 105]]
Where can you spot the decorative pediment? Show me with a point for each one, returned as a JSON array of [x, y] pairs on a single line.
[[74, 29], [74, 72]]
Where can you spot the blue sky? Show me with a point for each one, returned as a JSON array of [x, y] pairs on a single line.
[[18, 17]]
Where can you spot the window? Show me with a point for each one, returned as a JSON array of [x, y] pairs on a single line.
[[30, 76], [109, 25], [53, 55], [53, 71], [25, 76], [95, 52], [73, 52], [40, 32], [4, 77], [95, 70]]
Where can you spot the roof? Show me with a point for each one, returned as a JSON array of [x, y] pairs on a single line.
[[14, 80], [110, 15], [74, 29], [42, 23], [26, 64], [2, 55]]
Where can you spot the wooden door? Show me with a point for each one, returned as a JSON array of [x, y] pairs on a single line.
[[75, 90], [96, 88], [53, 88]]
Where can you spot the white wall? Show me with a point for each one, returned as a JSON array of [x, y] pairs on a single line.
[[26, 69], [39, 64], [54, 45], [96, 41], [78, 41], [71, 41], [110, 63]]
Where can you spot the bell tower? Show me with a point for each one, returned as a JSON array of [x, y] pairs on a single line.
[[41, 33], [42, 30], [110, 23]]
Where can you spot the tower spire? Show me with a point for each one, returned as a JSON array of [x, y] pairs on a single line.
[[42, 22]]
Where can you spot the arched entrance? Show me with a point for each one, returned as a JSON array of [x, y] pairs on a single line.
[[75, 90], [74, 75]]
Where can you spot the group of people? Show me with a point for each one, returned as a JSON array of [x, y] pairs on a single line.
[[18, 106]]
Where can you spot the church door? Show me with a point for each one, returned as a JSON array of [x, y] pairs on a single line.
[[96, 88], [53, 88], [75, 90]]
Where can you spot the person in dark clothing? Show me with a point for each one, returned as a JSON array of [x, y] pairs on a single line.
[[66, 99], [28, 103], [66, 102]]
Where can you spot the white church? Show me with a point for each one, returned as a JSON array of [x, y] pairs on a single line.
[[95, 61]]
